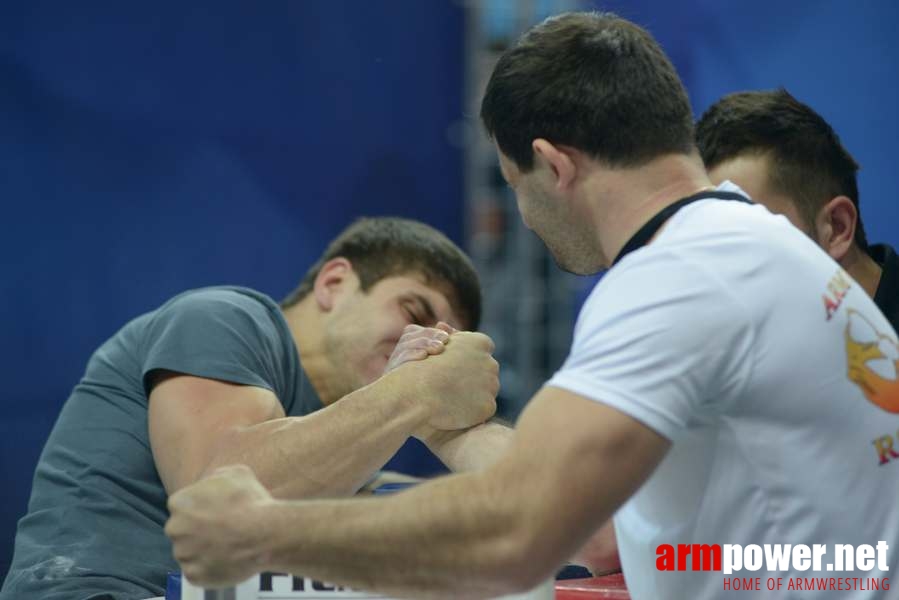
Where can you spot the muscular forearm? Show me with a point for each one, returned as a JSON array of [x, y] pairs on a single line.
[[331, 452], [472, 449], [392, 546], [484, 533], [480, 447]]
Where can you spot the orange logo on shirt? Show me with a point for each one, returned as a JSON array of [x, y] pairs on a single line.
[[873, 361], [837, 288]]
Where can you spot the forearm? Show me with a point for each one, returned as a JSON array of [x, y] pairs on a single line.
[[479, 447], [332, 452], [392, 550], [472, 449], [572, 463]]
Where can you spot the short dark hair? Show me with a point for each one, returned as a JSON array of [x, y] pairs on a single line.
[[806, 160], [382, 247], [592, 81]]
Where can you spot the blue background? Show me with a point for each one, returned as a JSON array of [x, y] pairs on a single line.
[[147, 149]]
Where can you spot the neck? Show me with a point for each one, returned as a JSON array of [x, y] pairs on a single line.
[[863, 269], [308, 335], [631, 197]]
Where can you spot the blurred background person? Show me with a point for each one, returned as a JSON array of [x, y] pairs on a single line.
[[787, 157]]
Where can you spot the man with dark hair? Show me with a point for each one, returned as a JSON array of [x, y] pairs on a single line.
[[707, 399], [379, 248], [788, 158], [224, 375]]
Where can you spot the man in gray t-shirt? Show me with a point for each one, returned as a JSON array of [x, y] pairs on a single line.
[[225, 375]]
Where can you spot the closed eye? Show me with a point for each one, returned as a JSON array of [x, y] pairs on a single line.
[[411, 315], [419, 309]]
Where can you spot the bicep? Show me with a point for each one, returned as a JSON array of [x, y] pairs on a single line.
[[578, 460], [192, 418]]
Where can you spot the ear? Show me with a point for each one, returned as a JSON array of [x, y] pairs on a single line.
[[835, 226], [333, 280], [560, 162]]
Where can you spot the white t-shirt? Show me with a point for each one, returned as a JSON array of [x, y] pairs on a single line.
[[733, 335]]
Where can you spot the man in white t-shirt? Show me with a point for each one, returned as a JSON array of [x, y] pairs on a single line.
[[724, 386]]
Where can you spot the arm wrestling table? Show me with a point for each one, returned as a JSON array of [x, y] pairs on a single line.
[[271, 586]]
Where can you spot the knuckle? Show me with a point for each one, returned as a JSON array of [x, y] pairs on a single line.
[[489, 408], [175, 502], [243, 471], [224, 471]]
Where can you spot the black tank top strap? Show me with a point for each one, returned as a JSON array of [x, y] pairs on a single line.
[[645, 233]]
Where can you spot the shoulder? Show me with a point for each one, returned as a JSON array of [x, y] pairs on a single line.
[[661, 299], [220, 312], [222, 302], [660, 274], [221, 298]]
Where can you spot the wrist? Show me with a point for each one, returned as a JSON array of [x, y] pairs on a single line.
[[403, 387], [434, 439], [265, 519]]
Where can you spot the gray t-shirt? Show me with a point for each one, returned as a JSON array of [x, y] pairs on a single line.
[[94, 528]]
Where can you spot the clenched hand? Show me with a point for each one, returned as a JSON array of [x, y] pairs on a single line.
[[460, 385], [212, 527]]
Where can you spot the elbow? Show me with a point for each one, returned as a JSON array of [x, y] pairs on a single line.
[[525, 560], [525, 547], [600, 553]]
